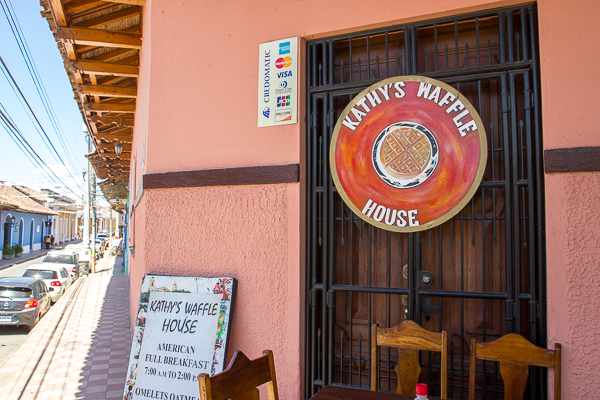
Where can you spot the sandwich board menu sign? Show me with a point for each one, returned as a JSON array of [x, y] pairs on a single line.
[[278, 82], [408, 153], [181, 330]]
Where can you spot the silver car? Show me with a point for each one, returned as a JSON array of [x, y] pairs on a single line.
[[23, 301], [56, 278]]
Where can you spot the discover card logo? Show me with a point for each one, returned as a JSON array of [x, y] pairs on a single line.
[[285, 114]]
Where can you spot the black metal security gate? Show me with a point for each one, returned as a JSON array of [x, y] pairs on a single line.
[[481, 273]]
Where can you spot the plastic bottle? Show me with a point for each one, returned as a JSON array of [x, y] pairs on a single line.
[[421, 391]]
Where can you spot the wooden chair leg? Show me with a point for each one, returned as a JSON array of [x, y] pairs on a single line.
[[472, 368]]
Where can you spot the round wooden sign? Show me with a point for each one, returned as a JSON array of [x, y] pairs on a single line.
[[408, 153]]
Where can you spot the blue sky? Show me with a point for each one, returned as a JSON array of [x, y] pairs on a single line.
[[14, 165]]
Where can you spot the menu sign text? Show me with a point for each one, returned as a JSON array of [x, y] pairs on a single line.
[[178, 345]]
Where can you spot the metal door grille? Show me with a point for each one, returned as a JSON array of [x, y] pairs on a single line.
[[486, 265]]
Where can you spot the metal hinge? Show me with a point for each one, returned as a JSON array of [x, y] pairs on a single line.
[[511, 310], [506, 98], [312, 297], [330, 299]]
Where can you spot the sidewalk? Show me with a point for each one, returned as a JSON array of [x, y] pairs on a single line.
[[31, 255], [80, 349]]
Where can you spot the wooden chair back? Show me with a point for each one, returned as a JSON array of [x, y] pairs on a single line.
[[515, 354], [409, 338], [241, 379]]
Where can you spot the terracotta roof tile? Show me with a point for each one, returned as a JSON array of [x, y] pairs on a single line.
[[20, 201]]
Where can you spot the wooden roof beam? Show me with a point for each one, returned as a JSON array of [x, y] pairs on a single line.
[[112, 158], [60, 17], [116, 80], [82, 49], [103, 107], [112, 137], [114, 55], [116, 163], [75, 6], [105, 68], [110, 147], [99, 37], [113, 120], [110, 18], [117, 100], [58, 12], [116, 131], [110, 91], [136, 2]]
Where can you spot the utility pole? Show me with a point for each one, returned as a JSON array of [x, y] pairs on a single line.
[[93, 203], [86, 210]]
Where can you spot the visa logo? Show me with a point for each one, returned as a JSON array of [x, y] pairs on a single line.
[[284, 74]]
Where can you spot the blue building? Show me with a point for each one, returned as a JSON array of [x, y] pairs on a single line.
[[22, 219]]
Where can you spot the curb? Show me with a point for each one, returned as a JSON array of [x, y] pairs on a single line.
[[22, 260]]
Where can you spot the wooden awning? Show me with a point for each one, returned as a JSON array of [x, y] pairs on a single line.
[[100, 43]]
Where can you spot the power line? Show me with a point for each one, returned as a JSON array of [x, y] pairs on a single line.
[[26, 151], [35, 117], [11, 128], [21, 142], [36, 78], [25, 146]]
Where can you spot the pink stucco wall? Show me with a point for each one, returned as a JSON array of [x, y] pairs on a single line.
[[572, 200], [574, 279], [242, 232], [197, 110]]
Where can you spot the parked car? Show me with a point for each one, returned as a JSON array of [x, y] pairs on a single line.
[[99, 246], [85, 255], [55, 277], [66, 258], [24, 301], [104, 240]]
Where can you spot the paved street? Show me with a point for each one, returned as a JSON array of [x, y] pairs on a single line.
[[6, 264], [17, 270], [80, 349], [11, 337]]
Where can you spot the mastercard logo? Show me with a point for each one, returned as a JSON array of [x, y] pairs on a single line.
[[283, 62]]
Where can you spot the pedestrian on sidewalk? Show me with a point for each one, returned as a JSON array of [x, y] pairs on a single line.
[[52, 241], [47, 241]]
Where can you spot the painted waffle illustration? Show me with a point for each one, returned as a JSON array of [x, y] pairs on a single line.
[[405, 152]]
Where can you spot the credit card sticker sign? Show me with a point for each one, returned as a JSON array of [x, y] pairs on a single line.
[[278, 83]]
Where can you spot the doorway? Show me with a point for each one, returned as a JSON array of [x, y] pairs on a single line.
[[31, 235], [479, 274], [21, 233], [6, 241]]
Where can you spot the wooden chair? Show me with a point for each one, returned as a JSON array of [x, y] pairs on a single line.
[[241, 379], [409, 338], [515, 354]]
